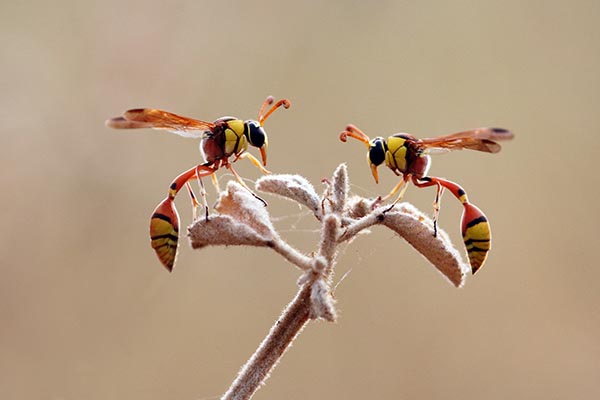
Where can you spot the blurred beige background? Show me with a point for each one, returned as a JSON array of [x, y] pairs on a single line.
[[86, 310]]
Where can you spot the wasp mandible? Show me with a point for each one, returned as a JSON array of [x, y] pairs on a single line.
[[409, 157], [220, 140]]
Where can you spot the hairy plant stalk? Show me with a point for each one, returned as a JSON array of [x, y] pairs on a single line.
[[280, 337], [243, 220]]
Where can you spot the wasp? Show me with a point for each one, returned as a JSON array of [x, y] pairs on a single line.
[[409, 158], [220, 140]]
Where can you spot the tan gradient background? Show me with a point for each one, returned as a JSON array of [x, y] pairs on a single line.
[[87, 312]]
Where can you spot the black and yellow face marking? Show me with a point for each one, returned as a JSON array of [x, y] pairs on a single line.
[[257, 137], [376, 155], [255, 133]]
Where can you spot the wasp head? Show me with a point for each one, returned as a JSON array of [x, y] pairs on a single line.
[[257, 137], [376, 155]]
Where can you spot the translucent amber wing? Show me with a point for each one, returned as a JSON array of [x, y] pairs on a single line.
[[481, 139], [159, 119]]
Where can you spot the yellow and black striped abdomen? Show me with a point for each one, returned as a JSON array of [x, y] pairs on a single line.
[[164, 232], [476, 235]]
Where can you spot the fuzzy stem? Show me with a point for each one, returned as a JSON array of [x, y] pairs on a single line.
[[291, 254], [256, 371], [365, 222]]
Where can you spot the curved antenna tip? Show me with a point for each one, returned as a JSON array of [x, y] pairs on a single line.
[[356, 133]]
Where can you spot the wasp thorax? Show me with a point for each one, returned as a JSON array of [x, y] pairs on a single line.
[[377, 151], [255, 133]]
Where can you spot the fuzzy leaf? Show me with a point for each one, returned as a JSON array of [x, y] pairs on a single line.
[[417, 229], [322, 303], [245, 208], [224, 230], [293, 187], [339, 186]]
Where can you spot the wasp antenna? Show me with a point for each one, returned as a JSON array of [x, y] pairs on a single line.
[[268, 101], [263, 117], [356, 133]]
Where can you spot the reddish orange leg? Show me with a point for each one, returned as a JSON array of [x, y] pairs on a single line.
[[441, 184], [456, 190], [475, 227]]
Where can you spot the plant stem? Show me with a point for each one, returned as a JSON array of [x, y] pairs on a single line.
[[256, 371]]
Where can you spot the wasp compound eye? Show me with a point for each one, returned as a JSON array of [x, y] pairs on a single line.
[[256, 134], [377, 151]]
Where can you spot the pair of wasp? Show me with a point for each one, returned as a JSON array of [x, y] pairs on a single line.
[[229, 137]]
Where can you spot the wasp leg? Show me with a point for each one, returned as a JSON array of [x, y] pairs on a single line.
[[254, 161], [201, 170], [441, 184], [215, 182], [239, 179], [164, 223], [403, 184], [438, 196], [436, 208], [195, 203], [203, 192], [475, 227]]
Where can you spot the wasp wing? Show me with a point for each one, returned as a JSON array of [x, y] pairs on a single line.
[[481, 139], [159, 119]]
